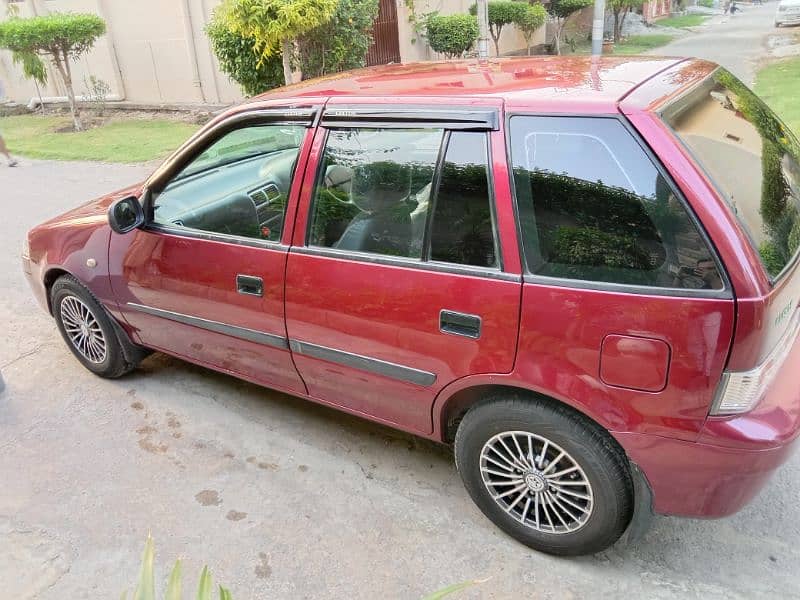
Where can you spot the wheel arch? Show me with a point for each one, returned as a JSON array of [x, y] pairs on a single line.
[[50, 277], [455, 400]]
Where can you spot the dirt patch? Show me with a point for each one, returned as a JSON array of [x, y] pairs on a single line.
[[263, 570], [208, 498], [137, 406], [235, 515]]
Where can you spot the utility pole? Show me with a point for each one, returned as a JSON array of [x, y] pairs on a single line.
[[483, 30], [598, 25]]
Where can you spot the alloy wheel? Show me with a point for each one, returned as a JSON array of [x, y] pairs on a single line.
[[536, 482], [83, 330]]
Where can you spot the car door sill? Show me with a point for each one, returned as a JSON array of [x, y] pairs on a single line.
[[251, 335], [364, 363]]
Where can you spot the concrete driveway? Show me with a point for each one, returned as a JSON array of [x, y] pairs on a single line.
[[282, 498], [737, 42]]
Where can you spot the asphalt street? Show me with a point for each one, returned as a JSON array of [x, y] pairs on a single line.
[[282, 498]]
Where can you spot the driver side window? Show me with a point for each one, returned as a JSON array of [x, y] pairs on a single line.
[[237, 186]]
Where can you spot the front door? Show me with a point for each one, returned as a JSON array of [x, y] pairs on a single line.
[[395, 283], [204, 278]]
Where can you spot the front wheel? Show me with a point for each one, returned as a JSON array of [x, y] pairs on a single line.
[[88, 330], [545, 475]]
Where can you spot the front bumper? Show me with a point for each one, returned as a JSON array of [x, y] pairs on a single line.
[[32, 273]]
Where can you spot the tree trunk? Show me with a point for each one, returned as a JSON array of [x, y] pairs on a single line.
[[496, 40], [61, 60], [617, 27], [622, 20], [557, 37], [39, 93], [286, 58]]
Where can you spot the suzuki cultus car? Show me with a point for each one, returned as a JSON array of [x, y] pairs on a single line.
[[582, 273]]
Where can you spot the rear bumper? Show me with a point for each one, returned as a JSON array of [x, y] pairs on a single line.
[[701, 480]]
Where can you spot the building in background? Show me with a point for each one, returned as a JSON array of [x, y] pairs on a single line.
[[655, 9], [157, 52]]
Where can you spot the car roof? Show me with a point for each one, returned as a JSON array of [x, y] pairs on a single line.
[[571, 83]]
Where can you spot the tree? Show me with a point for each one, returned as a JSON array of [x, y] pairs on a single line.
[[501, 13], [32, 68], [275, 25], [451, 35], [237, 59], [620, 10], [529, 20], [61, 37], [561, 11], [342, 42]]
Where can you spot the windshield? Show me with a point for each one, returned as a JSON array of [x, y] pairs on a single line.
[[751, 156], [242, 144]]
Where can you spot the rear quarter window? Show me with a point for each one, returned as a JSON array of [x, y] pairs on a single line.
[[593, 207], [752, 158]]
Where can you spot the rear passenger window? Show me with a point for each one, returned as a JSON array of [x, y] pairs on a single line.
[[462, 230], [375, 190], [593, 207], [377, 193]]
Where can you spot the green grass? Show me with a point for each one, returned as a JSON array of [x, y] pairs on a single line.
[[639, 44], [778, 84], [636, 44], [124, 141], [682, 21]]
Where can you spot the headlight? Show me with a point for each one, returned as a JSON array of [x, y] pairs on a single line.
[[26, 248], [740, 391]]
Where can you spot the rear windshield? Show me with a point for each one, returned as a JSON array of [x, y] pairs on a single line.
[[751, 156]]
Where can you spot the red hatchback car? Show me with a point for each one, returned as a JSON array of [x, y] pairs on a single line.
[[583, 272]]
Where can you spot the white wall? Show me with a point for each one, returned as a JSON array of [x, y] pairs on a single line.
[[511, 40]]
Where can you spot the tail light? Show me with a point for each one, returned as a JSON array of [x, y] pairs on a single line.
[[740, 391]]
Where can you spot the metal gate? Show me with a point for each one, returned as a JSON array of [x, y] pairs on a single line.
[[385, 46]]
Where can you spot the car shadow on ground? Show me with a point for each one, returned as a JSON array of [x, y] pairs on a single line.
[[396, 459]]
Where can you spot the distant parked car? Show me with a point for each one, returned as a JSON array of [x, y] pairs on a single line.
[[787, 13], [583, 273]]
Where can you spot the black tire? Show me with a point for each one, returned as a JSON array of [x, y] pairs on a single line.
[[588, 445], [121, 355]]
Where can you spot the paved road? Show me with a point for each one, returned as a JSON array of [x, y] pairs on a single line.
[[736, 42]]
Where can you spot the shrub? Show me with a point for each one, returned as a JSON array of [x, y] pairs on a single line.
[[61, 37], [706, 3], [451, 35], [501, 13], [342, 42], [771, 258], [275, 25], [237, 60], [529, 20]]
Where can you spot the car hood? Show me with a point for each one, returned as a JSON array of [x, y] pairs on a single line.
[[95, 211]]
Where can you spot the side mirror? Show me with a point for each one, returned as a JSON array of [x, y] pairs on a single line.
[[125, 215]]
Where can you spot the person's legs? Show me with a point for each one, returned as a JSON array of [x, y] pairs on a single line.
[[4, 152]]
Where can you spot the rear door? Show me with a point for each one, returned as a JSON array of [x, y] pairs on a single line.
[[396, 283]]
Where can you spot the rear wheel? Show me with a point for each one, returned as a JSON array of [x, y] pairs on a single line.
[[545, 475], [89, 332]]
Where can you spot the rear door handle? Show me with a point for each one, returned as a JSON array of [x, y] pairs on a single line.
[[456, 323], [250, 285]]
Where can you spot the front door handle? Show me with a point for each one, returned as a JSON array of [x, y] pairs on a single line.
[[250, 285], [456, 323]]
